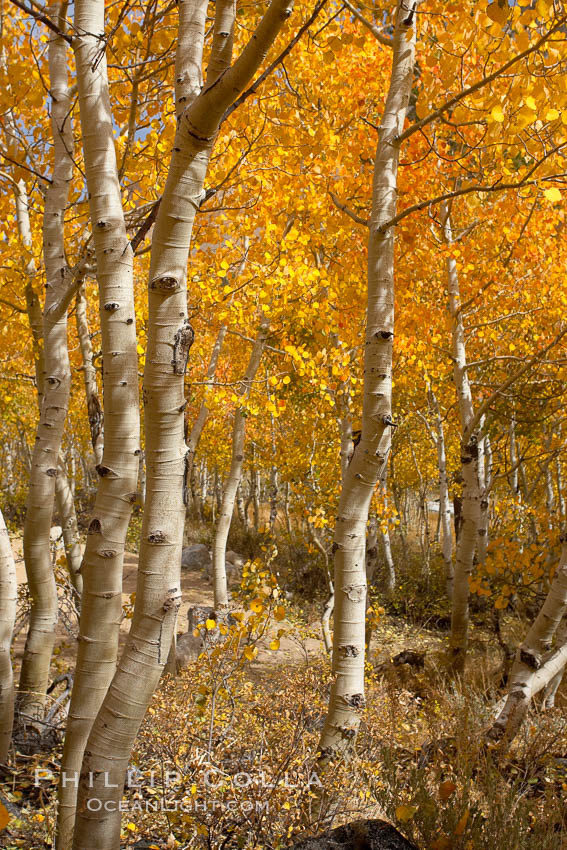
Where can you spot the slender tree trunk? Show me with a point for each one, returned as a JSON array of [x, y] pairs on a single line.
[[94, 408], [203, 415], [56, 386], [559, 480], [273, 497], [235, 475], [470, 500], [256, 485], [8, 603], [141, 479], [484, 489], [286, 509], [370, 456], [158, 588], [71, 539], [390, 583], [240, 507], [444, 503], [101, 610], [196, 493]]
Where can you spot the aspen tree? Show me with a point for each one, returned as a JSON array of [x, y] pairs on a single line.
[[371, 454], [56, 388], [235, 474], [444, 503], [470, 501], [70, 528], [8, 602], [169, 338], [101, 609], [94, 407], [202, 416]]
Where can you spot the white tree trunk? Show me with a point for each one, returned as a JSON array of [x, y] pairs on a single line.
[[56, 387], [101, 610], [470, 503], [202, 416], [169, 337], [444, 502], [94, 408], [346, 701], [8, 603], [70, 528], [235, 474]]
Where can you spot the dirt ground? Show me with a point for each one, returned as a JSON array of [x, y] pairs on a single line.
[[196, 590]]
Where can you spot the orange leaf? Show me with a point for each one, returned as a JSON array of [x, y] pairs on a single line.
[[446, 789]]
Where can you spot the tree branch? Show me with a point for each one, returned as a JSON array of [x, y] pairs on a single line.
[[481, 83], [378, 35]]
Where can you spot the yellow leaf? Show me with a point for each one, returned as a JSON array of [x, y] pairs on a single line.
[[274, 645], [256, 606], [498, 12], [279, 612], [131, 826], [210, 624], [552, 114], [405, 813], [497, 113], [530, 102], [250, 653], [553, 195]]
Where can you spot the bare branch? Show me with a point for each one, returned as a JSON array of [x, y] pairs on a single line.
[[378, 35], [348, 211]]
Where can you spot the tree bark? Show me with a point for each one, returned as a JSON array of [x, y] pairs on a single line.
[[202, 416], [346, 701], [56, 387], [101, 610], [94, 407], [169, 337], [70, 528], [220, 587], [444, 503], [8, 603], [470, 500]]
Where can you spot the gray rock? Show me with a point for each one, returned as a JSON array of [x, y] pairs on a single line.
[[235, 558], [196, 557], [187, 650], [233, 572], [360, 835]]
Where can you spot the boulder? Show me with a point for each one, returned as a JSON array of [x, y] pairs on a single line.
[[187, 650], [235, 558], [196, 557], [233, 572], [359, 835]]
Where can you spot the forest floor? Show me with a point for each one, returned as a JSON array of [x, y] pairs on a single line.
[[421, 761]]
